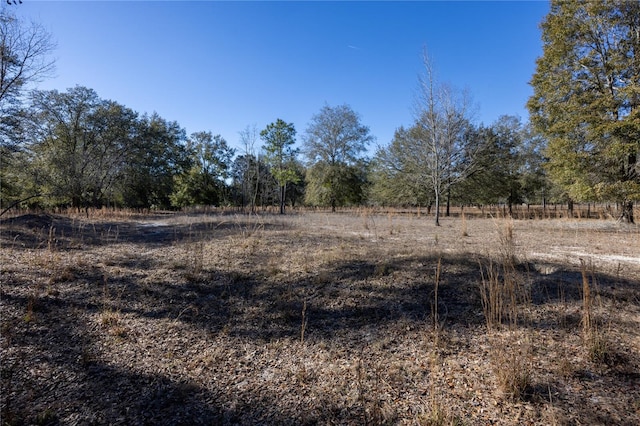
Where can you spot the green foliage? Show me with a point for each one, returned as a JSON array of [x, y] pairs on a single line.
[[508, 167], [88, 152], [158, 154], [395, 175], [25, 59], [204, 183], [297, 188], [80, 145], [9, 176], [279, 138], [333, 144], [336, 185], [586, 99]]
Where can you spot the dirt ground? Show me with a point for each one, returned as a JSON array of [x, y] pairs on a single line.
[[317, 318]]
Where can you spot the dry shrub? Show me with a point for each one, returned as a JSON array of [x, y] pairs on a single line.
[[375, 411], [512, 365], [596, 340], [62, 274], [502, 288], [439, 413], [193, 262], [111, 320], [381, 269], [304, 322], [439, 416], [491, 295]]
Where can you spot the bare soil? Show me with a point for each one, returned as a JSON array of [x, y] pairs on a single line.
[[314, 318]]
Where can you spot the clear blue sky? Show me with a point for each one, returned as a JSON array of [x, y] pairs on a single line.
[[220, 66]]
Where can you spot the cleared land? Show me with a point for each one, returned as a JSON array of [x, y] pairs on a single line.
[[318, 319]]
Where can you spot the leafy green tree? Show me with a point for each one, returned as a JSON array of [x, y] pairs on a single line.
[[480, 185], [279, 138], [340, 184], [536, 187], [507, 160], [25, 50], [333, 145], [508, 165], [205, 182], [396, 178], [500, 164], [297, 188], [158, 154], [586, 99], [80, 145]]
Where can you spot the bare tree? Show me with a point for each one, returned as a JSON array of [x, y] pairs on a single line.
[[248, 138], [24, 58], [442, 150]]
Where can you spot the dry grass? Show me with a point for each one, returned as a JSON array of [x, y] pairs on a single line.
[[350, 318]]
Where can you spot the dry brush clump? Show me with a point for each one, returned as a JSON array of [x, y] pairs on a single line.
[[512, 362], [503, 288], [595, 336], [506, 298]]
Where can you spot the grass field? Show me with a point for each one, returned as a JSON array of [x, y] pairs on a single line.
[[318, 318]]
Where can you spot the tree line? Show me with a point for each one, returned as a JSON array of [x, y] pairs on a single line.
[[80, 151], [75, 149]]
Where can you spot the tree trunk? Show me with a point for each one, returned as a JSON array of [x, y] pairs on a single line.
[[570, 208], [283, 189], [243, 191], [448, 201], [627, 212], [254, 197], [627, 206], [437, 209]]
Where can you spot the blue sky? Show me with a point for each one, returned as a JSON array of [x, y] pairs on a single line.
[[221, 66]]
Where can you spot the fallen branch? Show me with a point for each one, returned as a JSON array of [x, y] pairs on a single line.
[[18, 202]]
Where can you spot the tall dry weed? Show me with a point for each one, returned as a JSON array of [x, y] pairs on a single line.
[[502, 289], [438, 412], [512, 359], [434, 305], [304, 322], [464, 230], [491, 293], [596, 339]]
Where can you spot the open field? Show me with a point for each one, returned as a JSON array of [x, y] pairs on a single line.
[[317, 318]]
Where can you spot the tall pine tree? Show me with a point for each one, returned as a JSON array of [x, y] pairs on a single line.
[[279, 138]]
